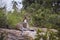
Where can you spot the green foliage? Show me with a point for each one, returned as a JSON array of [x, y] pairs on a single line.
[[3, 21], [42, 12], [14, 18], [44, 17], [52, 35], [38, 35]]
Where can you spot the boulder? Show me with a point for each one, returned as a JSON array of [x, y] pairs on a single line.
[[10, 34]]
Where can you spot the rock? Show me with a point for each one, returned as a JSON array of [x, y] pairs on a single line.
[[10, 34], [30, 33], [7, 34]]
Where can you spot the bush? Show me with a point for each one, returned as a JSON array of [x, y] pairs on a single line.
[[3, 20]]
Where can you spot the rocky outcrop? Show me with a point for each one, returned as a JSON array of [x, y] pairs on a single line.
[[10, 34], [7, 34]]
